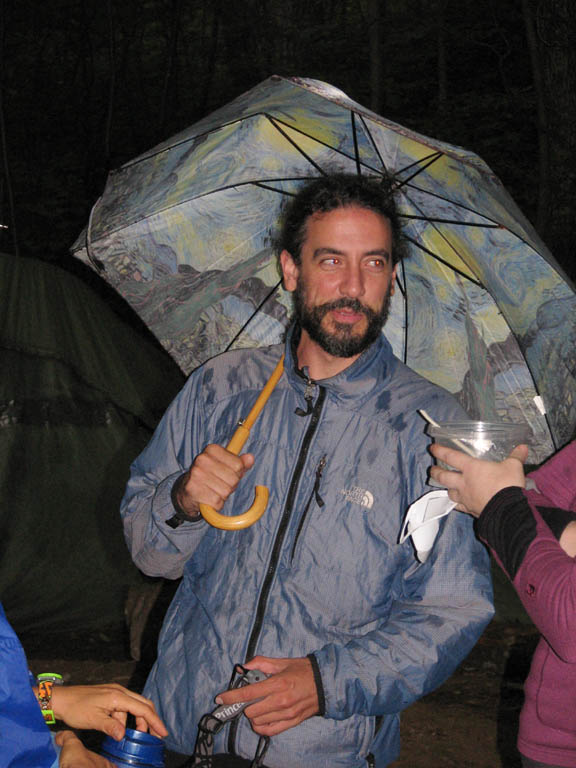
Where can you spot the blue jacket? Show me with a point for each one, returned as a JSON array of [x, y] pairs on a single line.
[[322, 572], [25, 739]]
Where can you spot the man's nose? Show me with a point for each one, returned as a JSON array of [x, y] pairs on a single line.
[[352, 284]]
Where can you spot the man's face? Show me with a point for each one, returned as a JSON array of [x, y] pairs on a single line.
[[343, 285]]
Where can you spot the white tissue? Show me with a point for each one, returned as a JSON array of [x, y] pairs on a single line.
[[422, 521]]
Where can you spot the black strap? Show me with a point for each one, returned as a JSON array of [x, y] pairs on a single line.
[[210, 725], [203, 756]]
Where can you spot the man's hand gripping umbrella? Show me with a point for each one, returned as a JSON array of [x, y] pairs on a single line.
[[235, 445]]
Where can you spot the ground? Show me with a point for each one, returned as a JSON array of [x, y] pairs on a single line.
[[470, 722]]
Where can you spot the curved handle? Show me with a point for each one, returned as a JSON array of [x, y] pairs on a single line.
[[237, 522], [252, 515]]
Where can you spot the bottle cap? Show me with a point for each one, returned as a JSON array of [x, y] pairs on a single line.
[[137, 749]]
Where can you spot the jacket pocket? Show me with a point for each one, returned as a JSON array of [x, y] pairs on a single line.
[[314, 498], [554, 691]]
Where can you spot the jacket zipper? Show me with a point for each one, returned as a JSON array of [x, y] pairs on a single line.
[[308, 399], [319, 500], [316, 411]]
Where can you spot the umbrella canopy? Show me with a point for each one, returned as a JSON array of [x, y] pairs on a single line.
[[184, 232]]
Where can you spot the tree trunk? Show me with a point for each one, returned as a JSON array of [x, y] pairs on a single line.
[[374, 14], [170, 64], [112, 81], [6, 185], [209, 48], [442, 74], [541, 123], [555, 28]]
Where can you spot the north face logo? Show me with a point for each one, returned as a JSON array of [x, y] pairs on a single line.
[[358, 496]]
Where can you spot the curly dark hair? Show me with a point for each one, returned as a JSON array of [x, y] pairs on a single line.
[[339, 190]]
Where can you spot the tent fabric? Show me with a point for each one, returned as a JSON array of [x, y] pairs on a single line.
[[51, 314], [80, 394]]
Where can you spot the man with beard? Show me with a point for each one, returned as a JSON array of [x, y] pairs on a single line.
[[318, 594]]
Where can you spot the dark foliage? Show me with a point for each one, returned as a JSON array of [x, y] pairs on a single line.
[[87, 85]]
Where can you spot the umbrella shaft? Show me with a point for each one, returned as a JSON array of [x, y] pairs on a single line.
[[243, 430], [238, 439]]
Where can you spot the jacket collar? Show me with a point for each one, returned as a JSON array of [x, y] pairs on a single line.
[[370, 370]]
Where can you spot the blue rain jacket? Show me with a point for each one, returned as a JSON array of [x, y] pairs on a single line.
[[321, 572], [25, 739]]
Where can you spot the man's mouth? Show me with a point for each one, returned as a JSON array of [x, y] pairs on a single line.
[[346, 315], [346, 312]]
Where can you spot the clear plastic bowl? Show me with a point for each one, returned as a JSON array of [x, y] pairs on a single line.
[[482, 439]]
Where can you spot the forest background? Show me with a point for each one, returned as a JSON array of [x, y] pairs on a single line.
[[86, 85]]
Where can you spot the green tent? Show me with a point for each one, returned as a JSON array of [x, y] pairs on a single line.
[[80, 393]]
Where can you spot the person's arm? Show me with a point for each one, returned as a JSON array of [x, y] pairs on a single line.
[[289, 696], [556, 478], [73, 754], [441, 608], [105, 708], [213, 476], [175, 473], [567, 539], [475, 481], [445, 606], [156, 548], [530, 537], [523, 530]]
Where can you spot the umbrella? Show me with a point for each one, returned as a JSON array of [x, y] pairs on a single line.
[[184, 231]]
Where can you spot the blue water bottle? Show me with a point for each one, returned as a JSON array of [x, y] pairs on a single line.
[[137, 750]]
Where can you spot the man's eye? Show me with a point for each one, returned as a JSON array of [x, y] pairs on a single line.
[[333, 261], [378, 263]]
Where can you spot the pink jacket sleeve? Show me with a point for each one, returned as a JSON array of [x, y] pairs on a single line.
[[556, 478], [522, 530]]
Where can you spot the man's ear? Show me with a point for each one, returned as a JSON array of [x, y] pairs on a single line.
[[290, 271]]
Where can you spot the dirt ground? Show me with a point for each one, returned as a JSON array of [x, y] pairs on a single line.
[[469, 722]]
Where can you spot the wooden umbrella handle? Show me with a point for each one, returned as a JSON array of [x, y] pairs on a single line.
[[237, 441]]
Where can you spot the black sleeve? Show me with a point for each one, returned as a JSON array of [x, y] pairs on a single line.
[[507, 524], [556, 519]]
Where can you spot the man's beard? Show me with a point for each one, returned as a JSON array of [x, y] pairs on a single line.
[[342, 341]]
